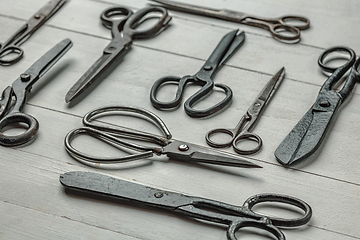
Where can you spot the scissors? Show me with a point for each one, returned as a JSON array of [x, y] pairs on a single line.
[[114, 135], [307, 135], [10, 52], [282, 29], [236, 217], [242, 130], [204, 77], [123, 32], [13, 98]]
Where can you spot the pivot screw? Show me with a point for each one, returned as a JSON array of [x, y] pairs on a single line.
[[324, 103], [25, 77], [37, 16], [183, 147], [208, 68], [159, 195]]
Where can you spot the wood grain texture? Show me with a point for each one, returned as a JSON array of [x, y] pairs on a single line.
[[34, 205]]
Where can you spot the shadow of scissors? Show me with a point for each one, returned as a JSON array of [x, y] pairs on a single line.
[[242, 130], [285, 29], [13, 98], [115, 135], [10, 52], [124, 31], [235, 217], [204, 77]]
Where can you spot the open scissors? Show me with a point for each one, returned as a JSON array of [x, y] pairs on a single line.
[[236, 217], [174, 149], [281, 28], [307, 135], [242, 130], [224, 50], [123, 32], [10, 52], [13, 98]]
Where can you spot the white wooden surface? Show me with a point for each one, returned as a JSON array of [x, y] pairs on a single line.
[[34, 205]]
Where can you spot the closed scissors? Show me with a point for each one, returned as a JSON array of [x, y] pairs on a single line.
[[284, 28], [114, 135], [10, 52], [204, 77], [235, 217], [242, 130], [124, 31], [306, 137], [13, 98]]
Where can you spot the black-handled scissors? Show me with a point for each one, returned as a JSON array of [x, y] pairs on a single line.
[[307, 135], [10, 51], [204, 77], [124, 31], [114, 135], [284, 28], [13, 98], [235, 217], [242, 130]]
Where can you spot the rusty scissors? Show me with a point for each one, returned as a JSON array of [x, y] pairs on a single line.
[[10, 52], [204, 77], [13, 98], [285, 28], [242, 130], [123, 24], [212, 211], [116, 135]]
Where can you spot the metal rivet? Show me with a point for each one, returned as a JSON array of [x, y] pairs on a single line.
[[25, 77], [183, 147], [324, 103], [159, 195], [112, 48], [208, 68], [37, 16]]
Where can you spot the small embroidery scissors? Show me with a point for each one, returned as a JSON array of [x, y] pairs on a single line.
[[204, 77], [309, 132], [114, 135], [123, 32], [285, 28], [13, 98], [242, 130], [235, 217], [10, 52]]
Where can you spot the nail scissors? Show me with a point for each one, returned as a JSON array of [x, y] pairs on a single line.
[[235, 217], [242, 130], [13, 98], [114, 135], [123, 32], [282, 29], [204, 77], [309, 132], [10, 52]]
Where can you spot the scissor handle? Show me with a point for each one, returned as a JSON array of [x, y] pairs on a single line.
[[209, 137], [347, 65], [115, 18], [22, 138], [130, 27], [10, 54], [247, 136], [293, 21]]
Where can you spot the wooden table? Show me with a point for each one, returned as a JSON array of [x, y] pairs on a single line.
[[34, 205]]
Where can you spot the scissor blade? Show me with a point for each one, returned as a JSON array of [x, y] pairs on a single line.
[[305, 138], [103, 64], [43, 64], [193, 153], [268, 91], [121, 189]]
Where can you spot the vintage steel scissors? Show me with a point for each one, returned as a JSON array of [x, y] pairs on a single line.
[[174, 149], [307, 135], [235, 217], [285, 28], [13, 98], [242, 130], [10, 51], [123, 32], [204, 77]]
